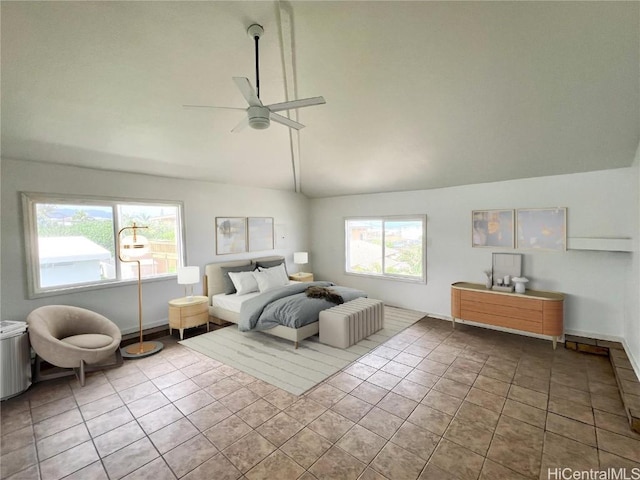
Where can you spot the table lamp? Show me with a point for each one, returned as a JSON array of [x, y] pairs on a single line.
[[188, 276], [300, 258], [130, 249]]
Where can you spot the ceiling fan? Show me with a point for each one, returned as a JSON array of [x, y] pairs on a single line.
[[259, 116]]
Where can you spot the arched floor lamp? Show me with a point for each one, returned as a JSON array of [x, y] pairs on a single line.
[[130, 248]]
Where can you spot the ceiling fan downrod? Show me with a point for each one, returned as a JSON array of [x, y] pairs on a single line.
[[255, 31]]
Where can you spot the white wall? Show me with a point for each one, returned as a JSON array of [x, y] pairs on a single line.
[[600, 204], [203, 201], [632, 312]]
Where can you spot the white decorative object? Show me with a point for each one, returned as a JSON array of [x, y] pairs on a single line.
[[489, 282], [520, 283]]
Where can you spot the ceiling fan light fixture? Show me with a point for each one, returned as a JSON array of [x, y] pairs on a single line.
[[258, 117]]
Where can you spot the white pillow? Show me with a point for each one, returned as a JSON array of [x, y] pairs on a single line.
[[268, 279], [244, 282], [277, 270]]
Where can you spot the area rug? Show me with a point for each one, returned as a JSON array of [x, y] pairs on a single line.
[[275, 360]]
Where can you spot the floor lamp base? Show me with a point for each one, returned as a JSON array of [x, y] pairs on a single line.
[[140, 350]]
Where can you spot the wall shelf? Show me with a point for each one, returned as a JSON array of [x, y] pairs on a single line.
[[607, 244]]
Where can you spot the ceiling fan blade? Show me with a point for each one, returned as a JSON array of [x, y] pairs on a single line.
[[305, 102], [285, 121], [211, 106], [248, 92], [242, 125]]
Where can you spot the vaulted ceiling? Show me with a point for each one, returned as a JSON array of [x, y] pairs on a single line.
[[419, 94]]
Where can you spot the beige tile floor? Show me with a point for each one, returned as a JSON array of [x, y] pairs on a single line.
[[431, 403]]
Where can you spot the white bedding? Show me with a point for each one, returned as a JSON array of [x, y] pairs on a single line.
[[231, 302], [234, 302]]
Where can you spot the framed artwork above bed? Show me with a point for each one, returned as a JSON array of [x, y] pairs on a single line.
[[231, 235], [260, 233]]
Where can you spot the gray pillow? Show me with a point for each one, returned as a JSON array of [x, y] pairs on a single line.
[[229, 288], [272, 263]]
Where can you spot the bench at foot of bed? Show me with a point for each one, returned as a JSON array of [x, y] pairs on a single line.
[[350, 322]]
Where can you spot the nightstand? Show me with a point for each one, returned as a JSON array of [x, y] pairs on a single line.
[[301, 277], [188, 312]]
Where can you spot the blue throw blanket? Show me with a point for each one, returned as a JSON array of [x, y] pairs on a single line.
[[289, 306]]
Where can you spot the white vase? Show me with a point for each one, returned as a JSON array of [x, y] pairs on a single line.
[[520, 282], [489, 282]]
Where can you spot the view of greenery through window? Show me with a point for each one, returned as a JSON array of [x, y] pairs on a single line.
[[385, 246], [76, 243]]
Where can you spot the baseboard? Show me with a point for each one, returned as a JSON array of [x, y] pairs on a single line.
[[597, 336], [147, 327]]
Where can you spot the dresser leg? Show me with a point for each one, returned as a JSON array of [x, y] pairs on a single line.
[[181, 334], [555, 340], [453, 323]]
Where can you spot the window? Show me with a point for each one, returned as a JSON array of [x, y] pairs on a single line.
[[386, 247], [72, 241]]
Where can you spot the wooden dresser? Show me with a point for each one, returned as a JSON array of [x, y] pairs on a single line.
[[534, 311]]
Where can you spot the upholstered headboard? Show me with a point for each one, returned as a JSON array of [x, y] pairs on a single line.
[[213, 282]]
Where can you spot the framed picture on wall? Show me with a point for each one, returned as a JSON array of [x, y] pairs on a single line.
[[542, 228], [231, 235], [260, 233], [492, 228]]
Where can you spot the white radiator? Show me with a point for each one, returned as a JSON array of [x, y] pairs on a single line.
[[343, 325]]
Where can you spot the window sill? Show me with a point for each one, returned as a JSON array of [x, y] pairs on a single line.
[[86, 288], [391, 278]]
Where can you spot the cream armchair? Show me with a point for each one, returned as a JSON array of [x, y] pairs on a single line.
[[72, 338]]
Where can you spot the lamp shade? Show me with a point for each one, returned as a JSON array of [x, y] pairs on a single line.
[[300, 258], [134, 246], [188, 275]]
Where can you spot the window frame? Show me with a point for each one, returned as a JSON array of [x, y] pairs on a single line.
[[384, 219], [30, 228]]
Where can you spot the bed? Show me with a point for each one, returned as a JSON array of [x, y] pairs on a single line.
[[227, 307]]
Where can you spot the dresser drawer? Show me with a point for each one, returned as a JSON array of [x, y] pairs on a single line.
[[196, 309], [503, 300], [531, 315], [506, 322]]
